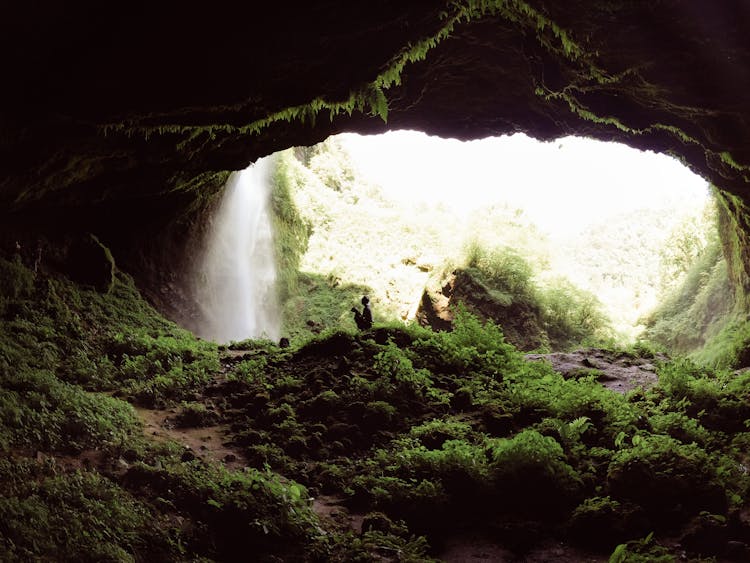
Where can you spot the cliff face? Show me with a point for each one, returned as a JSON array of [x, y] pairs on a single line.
[[124, 121]]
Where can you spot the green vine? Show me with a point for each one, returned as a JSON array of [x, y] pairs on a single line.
[[370, 98]]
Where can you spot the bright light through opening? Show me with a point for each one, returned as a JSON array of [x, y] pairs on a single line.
[[565, 188]]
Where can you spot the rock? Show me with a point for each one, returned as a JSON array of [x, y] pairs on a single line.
[[187, 455], [706, 535], [229, 458], [377, 522], [737, 551], [613, 371]]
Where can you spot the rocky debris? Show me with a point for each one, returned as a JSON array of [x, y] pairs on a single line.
[[332, 511], [208, 440], [621, 372]]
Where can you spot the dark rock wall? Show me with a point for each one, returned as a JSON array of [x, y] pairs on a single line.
[[121, 118]]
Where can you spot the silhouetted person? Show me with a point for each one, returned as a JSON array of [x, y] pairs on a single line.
[[363, 319]]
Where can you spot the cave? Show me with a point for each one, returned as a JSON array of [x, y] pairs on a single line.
[[111, 116], [120, 124]]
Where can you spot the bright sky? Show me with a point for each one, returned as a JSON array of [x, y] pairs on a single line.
[[562, 185]]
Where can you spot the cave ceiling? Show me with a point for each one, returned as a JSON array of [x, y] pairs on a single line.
[[115, 105]]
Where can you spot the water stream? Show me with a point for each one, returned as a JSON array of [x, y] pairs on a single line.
[[236, 282]]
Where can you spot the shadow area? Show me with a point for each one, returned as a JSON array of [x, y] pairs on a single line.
[[321, 302]]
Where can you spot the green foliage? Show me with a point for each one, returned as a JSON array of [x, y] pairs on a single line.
[[670, 480], [563, 313], [39, 410], [110, 260], [393, 364], [48, 514], [235, 512], [471, 345], [696, 311], [685, 245], [381, 539], [510, 260], [729, 348], [502, 269], [531, 473], [252, 370], [158, 368], [602, 522], [321, 302], [59, 341], [440, 430], [291, 232], [196, 414], [16, 281], [572, 315], [644, 550]]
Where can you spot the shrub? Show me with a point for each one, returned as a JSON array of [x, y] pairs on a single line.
[[196, 414], [502, 269], [645, 550], [16, 281], [393, 365], [602, 522], [48, 514], [236, 513], [530, 475], [670, 480], [470, 346], [571, 315]]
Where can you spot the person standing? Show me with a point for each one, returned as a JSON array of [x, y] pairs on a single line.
[[363, 319]]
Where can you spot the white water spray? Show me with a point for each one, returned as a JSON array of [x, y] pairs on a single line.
[[236, 282]]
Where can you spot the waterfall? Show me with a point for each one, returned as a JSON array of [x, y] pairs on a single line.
[[236, 280]]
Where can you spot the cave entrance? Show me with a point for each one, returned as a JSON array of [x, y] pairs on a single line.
[[579, 227]]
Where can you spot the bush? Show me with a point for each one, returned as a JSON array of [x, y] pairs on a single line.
[[38, 410], [235, 513], [47, 514], [602, 523], [530, 475], [645, 550], [472, 346], [16, 281], [670, 480], [502, 269], [572, 316]]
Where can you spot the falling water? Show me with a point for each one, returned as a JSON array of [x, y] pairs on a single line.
[[236, 282]]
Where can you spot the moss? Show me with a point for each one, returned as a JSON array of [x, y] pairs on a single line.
[[370, 97], [48, 514], [726, 158], [291, 231], [109, 259], [16, 281]]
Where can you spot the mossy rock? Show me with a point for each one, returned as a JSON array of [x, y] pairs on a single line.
[[196, 415], [602, 523], [706, 535], [337, 344]]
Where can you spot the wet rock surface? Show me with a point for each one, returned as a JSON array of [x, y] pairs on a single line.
[[619, 372]]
